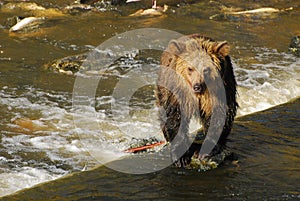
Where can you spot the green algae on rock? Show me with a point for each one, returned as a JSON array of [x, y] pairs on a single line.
[[294, 47], [68, 65]]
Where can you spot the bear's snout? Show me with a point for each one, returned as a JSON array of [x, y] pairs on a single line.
[[199, 88]]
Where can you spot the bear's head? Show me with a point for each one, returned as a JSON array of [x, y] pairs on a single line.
[[197, 59]]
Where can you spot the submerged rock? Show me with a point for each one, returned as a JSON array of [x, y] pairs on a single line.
[[67, 65], [295, 46], [86, 1], [11, 21], [21, 6], [78, 8], [211, 162], [31, 9], [248, 15], [145, 145], [151, 11], [147, 3]]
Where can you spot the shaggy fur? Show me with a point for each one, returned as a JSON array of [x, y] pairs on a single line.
[[189, 66]]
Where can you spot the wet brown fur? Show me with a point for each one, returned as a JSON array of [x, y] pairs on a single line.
[[185, 61]]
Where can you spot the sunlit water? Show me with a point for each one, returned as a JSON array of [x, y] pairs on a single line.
[[54, 145]]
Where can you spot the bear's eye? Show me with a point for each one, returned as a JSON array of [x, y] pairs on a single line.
[[190, 69]]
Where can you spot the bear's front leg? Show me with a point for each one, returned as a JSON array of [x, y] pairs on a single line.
[[181, 153], [175, 130], [185, 159]]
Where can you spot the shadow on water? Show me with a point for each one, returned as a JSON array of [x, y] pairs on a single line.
[[267, 147]]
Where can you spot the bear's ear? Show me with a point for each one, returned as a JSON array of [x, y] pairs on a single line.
[[222, 48], [174, 49]]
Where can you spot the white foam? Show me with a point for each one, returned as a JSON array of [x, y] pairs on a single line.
[[23, 178], [268, 84]]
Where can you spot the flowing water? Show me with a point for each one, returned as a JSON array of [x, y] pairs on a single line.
[[40, 141]]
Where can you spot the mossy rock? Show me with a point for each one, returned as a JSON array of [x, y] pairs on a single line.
[[69, 65], [294, 47], [210, 162]]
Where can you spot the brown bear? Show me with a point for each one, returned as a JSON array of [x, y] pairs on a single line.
[[196, 78]]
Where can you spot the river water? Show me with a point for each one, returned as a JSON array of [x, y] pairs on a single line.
[[40, 142]]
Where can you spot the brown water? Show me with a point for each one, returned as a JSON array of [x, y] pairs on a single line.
[[267, 143]]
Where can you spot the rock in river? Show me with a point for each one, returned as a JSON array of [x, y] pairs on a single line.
[[68, 65], [295, 46]]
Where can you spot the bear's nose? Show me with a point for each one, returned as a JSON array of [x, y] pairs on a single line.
[[199, 88]]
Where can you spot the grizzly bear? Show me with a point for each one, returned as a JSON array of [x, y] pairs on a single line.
[[196, 79]]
